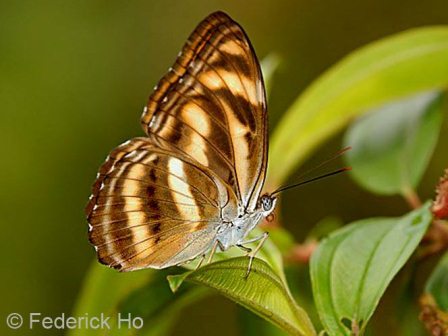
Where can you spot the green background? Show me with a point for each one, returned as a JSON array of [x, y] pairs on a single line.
[[74, 76]]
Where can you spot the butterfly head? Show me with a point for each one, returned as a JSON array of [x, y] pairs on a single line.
[[267, 204]]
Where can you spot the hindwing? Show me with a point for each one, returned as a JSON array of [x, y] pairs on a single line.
[[150, 208]]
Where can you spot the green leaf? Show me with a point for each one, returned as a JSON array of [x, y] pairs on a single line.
[[263, 291], [437, 284], [393, 67], [352, 268], [142, 294], [269, 66], [434, 301], [157, 305], [252, 325], [282, 239], [269, 253], [324, 227], [102, 291], [391, 146]]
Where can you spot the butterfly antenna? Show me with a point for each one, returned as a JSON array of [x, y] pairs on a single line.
[[324, 163], [341, 170], [320, 165]]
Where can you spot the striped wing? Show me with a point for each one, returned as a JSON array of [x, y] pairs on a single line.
[[158, 201], [150, 208], [211, 107]]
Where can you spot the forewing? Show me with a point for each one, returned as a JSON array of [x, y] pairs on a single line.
[[211, 107], [150, 208]]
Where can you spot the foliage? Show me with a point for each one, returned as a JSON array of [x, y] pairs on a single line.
[[437, 285], [262, 291], [385, 70], [351, 269], [434, 301], [394, 143]]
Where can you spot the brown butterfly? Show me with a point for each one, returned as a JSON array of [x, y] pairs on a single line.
[[193, 184]]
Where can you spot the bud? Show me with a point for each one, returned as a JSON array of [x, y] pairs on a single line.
[[440, 205], [434, 319]]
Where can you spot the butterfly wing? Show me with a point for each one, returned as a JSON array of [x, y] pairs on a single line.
[[211, 106], [150, 208], [158, 200]]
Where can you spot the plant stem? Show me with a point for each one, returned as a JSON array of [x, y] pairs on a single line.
[[301, 253], [412, 198]]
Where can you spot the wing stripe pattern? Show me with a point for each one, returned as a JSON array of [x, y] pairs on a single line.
[[142, 182], [197, 194], [187, 131], [158, 201], [156, 169], [217, 65], [136, 205]]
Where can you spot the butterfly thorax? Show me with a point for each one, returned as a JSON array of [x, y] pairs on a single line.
[[234, 232]]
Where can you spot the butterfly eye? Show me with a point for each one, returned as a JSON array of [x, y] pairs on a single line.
[[266, 202]]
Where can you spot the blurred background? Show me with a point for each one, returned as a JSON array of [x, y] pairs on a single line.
[[74, 76]]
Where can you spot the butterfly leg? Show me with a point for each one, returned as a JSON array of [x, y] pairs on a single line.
[[245, 248], [249, 251], [215, 246], [200, 262]]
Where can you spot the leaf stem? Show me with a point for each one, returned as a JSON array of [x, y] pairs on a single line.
[[412, 198], [355, 328], [301, 253]]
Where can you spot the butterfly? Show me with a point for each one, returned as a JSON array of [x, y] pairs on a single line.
[[194, 183]]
